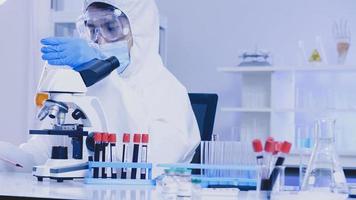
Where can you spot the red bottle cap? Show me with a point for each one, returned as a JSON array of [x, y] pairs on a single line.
[[145, 138], [277, 147], [105, 137], [137, 138], [112, 138], [286, 146], [97, 137], [257, 145], [270, 138], [126, 138], [269, 146]]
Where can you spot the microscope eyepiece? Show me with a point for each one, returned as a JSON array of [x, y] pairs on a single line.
[[96, 70]]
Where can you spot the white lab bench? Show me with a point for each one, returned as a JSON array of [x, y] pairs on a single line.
[[24, 185]]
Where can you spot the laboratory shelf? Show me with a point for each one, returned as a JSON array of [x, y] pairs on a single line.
[[267, 69], [277, 98]]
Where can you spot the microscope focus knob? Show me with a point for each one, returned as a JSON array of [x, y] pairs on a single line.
[[78, 114], [89, 141]]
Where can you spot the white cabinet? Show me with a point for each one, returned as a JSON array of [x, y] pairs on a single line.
[[277, 100]]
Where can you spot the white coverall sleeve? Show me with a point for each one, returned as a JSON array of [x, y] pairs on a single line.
[[174, 130], [15, 154], [39, 147], [31, 153]]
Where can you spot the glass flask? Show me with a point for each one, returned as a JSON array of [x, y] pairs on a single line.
[[324, 171]]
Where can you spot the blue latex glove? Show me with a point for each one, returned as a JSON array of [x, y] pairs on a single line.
[[68, 51]]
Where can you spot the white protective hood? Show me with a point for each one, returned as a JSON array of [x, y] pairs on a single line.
[[145, 98], [144, 21]]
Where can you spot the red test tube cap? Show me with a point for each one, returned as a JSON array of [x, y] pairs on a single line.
[[286, 146], [277, 147], [97, 137], [270, 138], [126, 138], [137, 138], [112, 138], [269, 146], [105, 137], [257, 145], [145, 138]]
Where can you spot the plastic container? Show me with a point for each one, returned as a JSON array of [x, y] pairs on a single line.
[[185, 186]]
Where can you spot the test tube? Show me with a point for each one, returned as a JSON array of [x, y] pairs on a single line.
[[258, 148], [269, 148], [144, 148], [104, 144], [113, 156], [125, 153], [97, 150], [136, 149]]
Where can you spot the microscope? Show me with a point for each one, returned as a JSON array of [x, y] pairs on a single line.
[[70, 114]]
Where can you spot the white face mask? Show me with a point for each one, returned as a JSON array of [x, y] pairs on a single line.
[[118, 49]]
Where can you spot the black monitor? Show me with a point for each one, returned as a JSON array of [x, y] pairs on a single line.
[[204, 107]]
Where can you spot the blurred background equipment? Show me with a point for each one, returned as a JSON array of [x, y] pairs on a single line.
[[255, 58], [342, 36]]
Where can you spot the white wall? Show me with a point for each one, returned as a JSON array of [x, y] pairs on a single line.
[[204, 35], [14, 57], [23, 24]]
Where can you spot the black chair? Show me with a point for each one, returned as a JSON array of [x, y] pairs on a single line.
[[204, 107]]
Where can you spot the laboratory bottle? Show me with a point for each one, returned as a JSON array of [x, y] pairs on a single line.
[[185, 186], [169, 185], [324, 171]]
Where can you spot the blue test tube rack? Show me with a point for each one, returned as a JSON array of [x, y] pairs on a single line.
[[209, 180], [118, 181]]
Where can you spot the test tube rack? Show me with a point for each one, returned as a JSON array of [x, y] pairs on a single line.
[[118, 181], [207, 181]]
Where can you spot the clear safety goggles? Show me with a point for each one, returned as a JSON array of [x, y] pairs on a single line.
[[111, 26]]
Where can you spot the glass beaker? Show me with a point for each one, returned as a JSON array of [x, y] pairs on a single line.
[[324, 170]]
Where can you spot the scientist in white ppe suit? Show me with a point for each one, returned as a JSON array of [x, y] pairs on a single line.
[[140, 96]]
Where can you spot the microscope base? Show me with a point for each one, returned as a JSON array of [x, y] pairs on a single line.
[[60, 170]]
